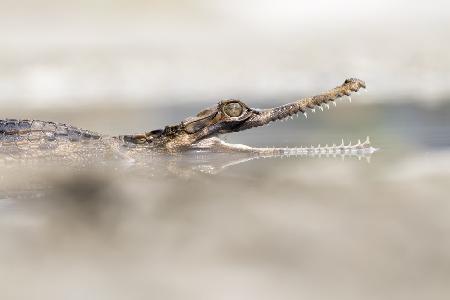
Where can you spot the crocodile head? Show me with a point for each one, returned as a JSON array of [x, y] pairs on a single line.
[[233, 116]]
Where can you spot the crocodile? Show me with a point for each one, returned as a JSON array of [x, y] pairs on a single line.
[[26, 139]]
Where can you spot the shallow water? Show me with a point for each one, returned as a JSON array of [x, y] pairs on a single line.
[[230, 227]]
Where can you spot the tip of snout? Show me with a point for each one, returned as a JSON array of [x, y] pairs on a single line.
[[355, 84]]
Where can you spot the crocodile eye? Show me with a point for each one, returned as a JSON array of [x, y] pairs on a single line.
[[233, 109]]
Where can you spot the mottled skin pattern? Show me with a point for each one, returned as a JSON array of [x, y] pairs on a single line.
[[26, 139]]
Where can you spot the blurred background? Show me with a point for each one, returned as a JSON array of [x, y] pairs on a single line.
[[67, 54], [230, 228]]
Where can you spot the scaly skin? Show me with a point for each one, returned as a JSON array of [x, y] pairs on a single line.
[[12, 130], [35, 138]]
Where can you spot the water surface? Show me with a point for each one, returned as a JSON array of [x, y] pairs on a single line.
[[202, 226]]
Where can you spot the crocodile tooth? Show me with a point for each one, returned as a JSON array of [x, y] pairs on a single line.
[[313, 110], [349, 99], [306, 115], [321, 108]]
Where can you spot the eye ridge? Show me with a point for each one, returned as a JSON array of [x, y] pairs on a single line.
[[233, 109]]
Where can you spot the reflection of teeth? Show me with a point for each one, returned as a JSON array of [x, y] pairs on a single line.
[[321, 108], [313, 110], [306, 115], [328, 106], [349, 99]]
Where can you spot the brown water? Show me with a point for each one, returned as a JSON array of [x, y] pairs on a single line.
[[224, 227]]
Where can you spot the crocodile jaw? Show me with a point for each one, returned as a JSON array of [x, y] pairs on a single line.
[[289, 110], [261, 117], [233, 116]]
